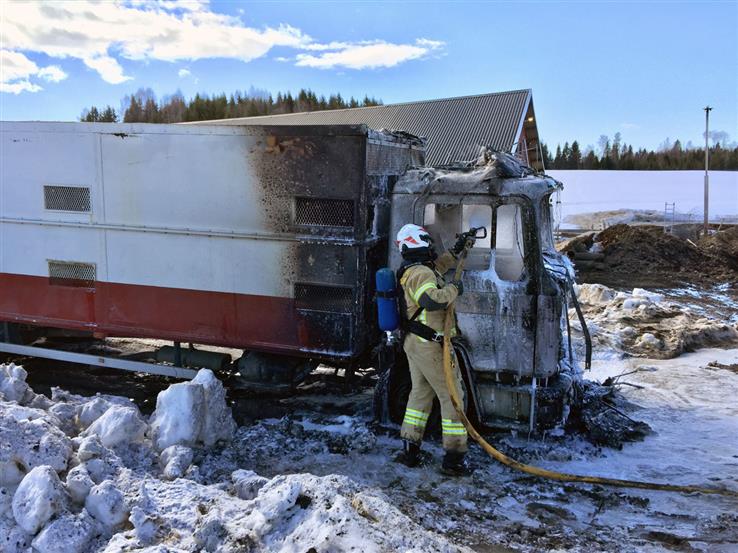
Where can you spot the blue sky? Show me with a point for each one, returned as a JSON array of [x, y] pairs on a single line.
[[645, 69]]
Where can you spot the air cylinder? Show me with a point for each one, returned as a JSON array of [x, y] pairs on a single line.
[[387, 310]]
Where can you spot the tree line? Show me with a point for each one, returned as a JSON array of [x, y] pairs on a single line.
[[143, 106], [615, 154]]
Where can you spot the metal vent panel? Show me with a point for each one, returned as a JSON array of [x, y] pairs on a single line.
[[67, 198], [318, 297], [318, 212], [72, 273]]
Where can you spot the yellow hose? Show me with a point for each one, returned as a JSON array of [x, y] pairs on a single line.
[[536, 471]]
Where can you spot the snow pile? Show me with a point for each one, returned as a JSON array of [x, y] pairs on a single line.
[[642, 323], [13, 385], [191, 413], [30, 438], [91, 474], [298, 512]]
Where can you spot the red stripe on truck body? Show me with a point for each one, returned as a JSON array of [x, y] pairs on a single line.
[[130, 310]]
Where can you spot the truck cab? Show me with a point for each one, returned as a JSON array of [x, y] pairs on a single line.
[[514, 346]]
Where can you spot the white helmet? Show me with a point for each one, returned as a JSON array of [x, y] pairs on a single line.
[[413, 237]]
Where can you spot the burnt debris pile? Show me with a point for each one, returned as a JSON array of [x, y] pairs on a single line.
[[599, 414]]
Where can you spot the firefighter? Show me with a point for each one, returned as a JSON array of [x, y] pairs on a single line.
[[426, 296]]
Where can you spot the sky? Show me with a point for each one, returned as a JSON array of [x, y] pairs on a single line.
[[644, 69]]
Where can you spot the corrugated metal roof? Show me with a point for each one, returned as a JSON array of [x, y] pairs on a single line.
[[455, 127]]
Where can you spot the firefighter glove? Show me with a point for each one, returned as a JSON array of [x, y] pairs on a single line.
[[461, 241], [459, 286]]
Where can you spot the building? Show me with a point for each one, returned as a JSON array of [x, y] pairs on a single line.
[[454, 127]]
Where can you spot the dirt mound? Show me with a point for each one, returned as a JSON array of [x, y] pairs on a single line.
[[722, 245], [643, 255], [648, 247]]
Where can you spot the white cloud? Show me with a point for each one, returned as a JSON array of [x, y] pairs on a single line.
[[628, 126], [101, 34], [16, 70], [108, 68], [16, 87], [281, 59], [367, 55], [182, 73], [52, 73]]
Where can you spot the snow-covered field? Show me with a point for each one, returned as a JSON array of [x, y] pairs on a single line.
[[83, 474], [591, 191]]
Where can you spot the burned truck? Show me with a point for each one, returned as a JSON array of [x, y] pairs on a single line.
[[266, 239]]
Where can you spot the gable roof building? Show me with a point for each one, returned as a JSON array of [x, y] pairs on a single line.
[[454, 127]]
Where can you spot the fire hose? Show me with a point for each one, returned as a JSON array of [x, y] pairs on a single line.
[[448, 366]]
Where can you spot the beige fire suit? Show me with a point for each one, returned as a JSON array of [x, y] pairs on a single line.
[[426, 357]]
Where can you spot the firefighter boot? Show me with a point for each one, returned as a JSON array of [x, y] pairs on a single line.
[[454, 464], [410, 454]]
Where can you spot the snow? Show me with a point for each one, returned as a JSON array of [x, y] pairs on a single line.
[[247, 483], [107, 504], [646, 323], [218, 423], [79, 483], [118, 426], [89, 447], [591, 191], [179, 415], [13, 385], [112, 490], [30, 438], [39, 497], [175, 460], [191, 413], [67, 534]]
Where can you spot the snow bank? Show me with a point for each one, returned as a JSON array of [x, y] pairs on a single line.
[[299, 512], [111, 485], [644, 323]]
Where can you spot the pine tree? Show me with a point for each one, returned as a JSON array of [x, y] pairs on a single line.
[[566, 156], [90, 115], [575, 158], [108, 115]]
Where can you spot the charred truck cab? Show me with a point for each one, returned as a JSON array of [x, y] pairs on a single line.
[[514, 347]]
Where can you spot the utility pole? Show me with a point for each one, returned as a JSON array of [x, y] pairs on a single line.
[[707, 167]]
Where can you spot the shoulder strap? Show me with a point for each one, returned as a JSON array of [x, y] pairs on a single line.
[[401, 273]]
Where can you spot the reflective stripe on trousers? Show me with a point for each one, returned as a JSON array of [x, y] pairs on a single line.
[[414, 417], [451, 428]]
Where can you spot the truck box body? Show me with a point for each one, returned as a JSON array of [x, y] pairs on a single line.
[[261, 238]]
